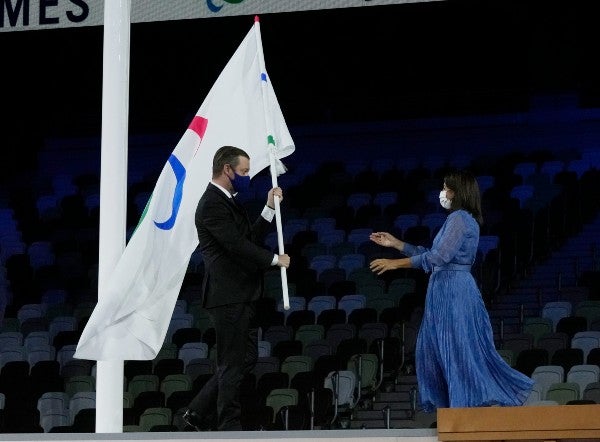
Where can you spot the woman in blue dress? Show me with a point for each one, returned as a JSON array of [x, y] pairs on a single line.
[[456, 361]]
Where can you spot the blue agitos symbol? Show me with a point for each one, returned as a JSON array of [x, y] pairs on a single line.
[[214, 8], [179, 172]]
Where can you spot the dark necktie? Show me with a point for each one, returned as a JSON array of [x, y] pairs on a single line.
[[236, 202]]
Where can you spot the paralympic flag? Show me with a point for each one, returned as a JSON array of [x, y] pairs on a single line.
[[132, 317]]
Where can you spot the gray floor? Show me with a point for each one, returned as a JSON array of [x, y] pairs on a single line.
[[399, 435]]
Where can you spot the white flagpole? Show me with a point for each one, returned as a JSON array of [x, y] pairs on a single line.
[[271, 146], [113, 192]]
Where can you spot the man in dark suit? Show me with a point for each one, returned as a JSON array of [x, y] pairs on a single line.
[[234, 265]]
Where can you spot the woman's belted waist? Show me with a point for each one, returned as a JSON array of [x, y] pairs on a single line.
[[451, 266]]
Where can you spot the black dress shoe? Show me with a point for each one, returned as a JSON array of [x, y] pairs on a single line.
[[191, 418]]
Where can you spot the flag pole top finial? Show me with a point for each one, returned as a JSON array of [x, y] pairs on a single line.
[[256, 18]]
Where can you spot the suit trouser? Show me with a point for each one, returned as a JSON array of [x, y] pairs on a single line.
[[237, 351]]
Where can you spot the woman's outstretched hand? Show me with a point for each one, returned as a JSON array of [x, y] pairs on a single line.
[[386, 239], [383, 265]]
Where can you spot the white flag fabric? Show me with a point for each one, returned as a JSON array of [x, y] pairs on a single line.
[[132, 317]]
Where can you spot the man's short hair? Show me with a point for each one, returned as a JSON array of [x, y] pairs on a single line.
[[227, 155]]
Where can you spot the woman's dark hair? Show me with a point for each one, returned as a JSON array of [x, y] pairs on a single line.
[[466, 193], [227, 155]]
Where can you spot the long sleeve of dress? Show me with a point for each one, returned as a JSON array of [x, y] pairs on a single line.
[[446, 245]]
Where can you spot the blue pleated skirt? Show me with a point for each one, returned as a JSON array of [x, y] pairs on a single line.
[[456, 361]]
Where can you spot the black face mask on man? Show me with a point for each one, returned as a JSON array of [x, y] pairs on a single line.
[[240, 183]]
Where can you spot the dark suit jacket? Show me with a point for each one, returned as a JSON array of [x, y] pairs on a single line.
[[234, 262]]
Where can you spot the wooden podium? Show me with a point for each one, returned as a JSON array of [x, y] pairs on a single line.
[[529, 423]]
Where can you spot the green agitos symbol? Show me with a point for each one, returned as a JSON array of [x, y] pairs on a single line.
[[214, 8]]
